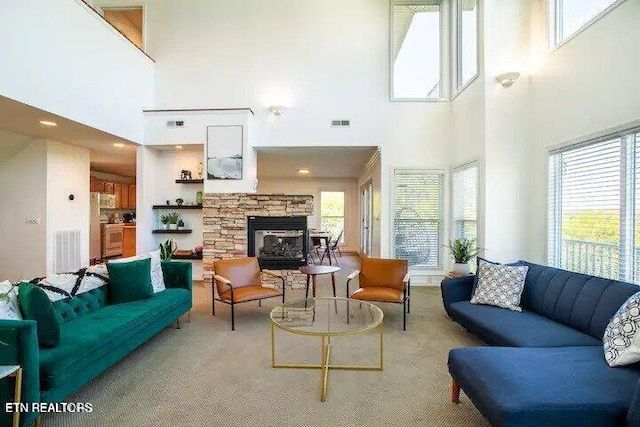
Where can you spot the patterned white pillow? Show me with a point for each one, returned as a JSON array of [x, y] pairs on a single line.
[[157, 278], [9, 308], [622, 336], [500, 285]]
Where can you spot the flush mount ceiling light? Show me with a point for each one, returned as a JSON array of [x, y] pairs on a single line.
[[304, 171], [48, 123], [508, 79], [179, 147], [277, 110], [118, 145]]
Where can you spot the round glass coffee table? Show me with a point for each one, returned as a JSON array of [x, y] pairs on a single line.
[[326, 318]]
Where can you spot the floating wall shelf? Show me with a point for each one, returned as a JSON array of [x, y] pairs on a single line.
[[187, 231], [177, 206], [189, 181], [192, 256]]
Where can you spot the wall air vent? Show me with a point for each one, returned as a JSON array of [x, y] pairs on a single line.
[[340, 123], [175, 123]]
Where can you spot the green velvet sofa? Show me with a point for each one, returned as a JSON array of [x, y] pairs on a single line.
[[94, 335]]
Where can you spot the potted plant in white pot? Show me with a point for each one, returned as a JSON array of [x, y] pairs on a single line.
[[164, 220], [463, 251], [173, 220]]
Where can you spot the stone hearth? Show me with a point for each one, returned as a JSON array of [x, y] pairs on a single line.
[[225, 226]]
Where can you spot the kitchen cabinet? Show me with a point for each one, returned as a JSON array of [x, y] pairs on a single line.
[[97, 185], [128, 241], [132, 196], [108, 187], [117, 191], [124, 196]]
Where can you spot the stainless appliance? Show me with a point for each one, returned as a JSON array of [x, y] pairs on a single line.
[[95, 248]]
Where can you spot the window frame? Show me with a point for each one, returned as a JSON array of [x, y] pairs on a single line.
[[622, 133], [461, 168], [344, 211], [442, 220], [456, 49], [442, 12], [554, 23]]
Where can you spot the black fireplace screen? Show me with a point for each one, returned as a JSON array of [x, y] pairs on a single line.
[[278, 242]]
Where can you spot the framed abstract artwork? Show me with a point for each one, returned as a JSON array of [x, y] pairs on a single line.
[[224, 152]]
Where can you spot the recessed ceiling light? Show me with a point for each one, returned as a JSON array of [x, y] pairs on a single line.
[[178, 147], [304, 171], [118, 145], [48, 123]]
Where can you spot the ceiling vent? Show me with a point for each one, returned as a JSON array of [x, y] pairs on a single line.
[[340, 123], [175, 123]]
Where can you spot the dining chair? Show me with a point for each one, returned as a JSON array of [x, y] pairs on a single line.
[[383, 280], [239, 280]]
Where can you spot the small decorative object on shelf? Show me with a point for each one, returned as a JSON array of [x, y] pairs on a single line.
[[200, 170], [173, 220], [199, 197], [179, 201], [463, 251], [168, 202], [180, 224], [164, 221], [199, 249], [167, 249], [185, 175]]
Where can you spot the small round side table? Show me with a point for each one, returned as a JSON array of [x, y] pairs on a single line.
[[312, 271]]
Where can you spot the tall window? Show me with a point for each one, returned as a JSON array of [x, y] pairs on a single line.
[[416, 51], [594, 212], [465, 201], [418, 217], [567, 17], [465, 42], [332, 213]]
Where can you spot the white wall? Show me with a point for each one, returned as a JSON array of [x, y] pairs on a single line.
[[314, 186], [323, 59], [23, 191], [74, 65], [67, 173]]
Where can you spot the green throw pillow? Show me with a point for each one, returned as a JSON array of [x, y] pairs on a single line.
[[36, 305], [129, 281]]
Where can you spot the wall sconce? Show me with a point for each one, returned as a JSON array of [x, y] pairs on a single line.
[[508, 79], [277, 110]]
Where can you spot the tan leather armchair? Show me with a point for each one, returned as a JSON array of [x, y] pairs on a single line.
[[383, 280], [239, 280]]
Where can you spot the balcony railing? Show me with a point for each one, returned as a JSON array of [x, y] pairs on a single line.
[[599, 259]]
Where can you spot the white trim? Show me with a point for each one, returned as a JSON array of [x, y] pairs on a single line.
[[587, 138], [552, 24]]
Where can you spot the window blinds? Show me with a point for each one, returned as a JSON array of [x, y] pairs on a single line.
[[418, 217], [465, 201], [593, 219]]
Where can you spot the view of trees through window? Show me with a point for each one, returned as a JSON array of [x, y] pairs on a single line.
[[332, 213]]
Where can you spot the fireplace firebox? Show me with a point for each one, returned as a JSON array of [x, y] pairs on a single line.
[[279, 243]]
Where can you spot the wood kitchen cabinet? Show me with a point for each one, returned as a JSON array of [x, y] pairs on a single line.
[[97, 185], [132, 196], [117, 191], [108, 187], [124, 196]]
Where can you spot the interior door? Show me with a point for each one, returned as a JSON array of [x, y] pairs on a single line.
[[366, 210]]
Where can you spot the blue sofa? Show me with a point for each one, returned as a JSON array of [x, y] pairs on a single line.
[[546, 365]]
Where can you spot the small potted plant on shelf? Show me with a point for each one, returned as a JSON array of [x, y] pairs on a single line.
[[164, 221], [463, 251], [173, 219], [167, 249], [180, 224]]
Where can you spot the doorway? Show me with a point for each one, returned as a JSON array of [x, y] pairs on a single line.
[[366, 208]]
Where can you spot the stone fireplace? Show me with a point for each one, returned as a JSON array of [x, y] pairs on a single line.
[[226, 218]]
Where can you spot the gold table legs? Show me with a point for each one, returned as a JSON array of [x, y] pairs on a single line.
[[17, 395], [325, 356]]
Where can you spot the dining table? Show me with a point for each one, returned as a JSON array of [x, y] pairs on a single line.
[[326, 237]]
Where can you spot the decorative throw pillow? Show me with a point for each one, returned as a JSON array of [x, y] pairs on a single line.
[[36, 305], [9, 308], [622, 336], [500, 285], [66, 285], [480, 260], [129, 281], [157, 278]]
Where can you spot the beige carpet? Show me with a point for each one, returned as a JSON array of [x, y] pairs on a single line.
[[206, 375]]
